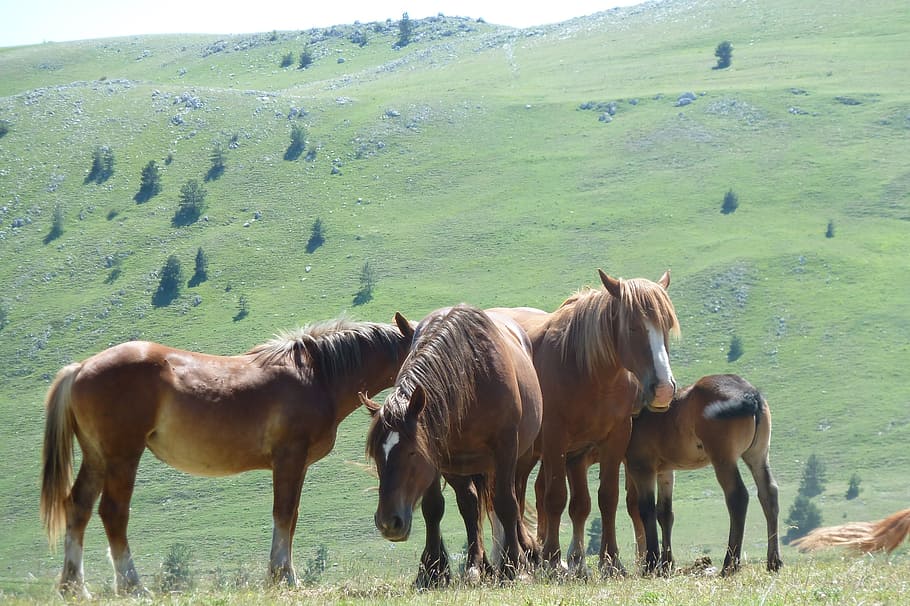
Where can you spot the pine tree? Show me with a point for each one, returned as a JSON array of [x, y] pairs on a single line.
[[853, 488], [405, 28], [813, 480], [595, 531], [149, 182], [724, 54], [169, 282], [191, 205], [804, 516]]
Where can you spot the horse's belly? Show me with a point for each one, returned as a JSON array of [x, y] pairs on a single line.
[[204, 454]]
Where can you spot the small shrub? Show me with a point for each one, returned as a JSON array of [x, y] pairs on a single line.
[[4, 315], [853, 488], [317, 236], [176, 574], [829, 233], [306, 58], [724, 54], [217, 158], [287, 59], [595, 531], [243, 308], [731, 202], [367, 282], [736, 349], [169, 282], [316, 566], [56, 225], [4, 128]]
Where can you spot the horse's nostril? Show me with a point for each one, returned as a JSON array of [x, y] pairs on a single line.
[[396, 524]]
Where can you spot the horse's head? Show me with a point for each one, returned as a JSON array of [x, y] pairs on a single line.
[[404, 471], [644, 318]]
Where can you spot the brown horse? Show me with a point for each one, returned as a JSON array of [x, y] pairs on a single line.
[[275, 407], [860, 537], [716, 421], [466, 405], [601, 356]]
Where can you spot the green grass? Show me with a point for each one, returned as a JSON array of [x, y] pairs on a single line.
[[469, 173]]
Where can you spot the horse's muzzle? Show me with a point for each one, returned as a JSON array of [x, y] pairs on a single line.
[[663, 397], [395, 527]]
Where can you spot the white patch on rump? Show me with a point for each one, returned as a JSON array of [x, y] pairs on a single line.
[[390, 442]]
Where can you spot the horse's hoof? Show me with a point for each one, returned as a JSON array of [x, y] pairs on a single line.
[[775, 564], [73, 590], [473, 576]]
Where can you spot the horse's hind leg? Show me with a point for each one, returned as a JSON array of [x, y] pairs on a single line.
[[79, 506], [767, 496], [119, 480], [737, 498], [665, 516]]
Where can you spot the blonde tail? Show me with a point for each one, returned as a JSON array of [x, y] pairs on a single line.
[[57, 472]]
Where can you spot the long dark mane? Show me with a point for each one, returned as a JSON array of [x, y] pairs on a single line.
[[593, 316], [335, 347], [451, 352]]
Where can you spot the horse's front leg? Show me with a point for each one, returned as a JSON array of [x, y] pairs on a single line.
[[288, 474], [579, 510], [434, 568], [638, 527], [612, 452], [477, 566]]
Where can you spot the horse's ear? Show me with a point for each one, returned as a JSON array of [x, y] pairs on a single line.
[[417, 403], [665, 280], [371, 406], [404, 326], [611, 284], [308, 343]]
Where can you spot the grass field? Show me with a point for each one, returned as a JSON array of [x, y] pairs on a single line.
[[466, 170]]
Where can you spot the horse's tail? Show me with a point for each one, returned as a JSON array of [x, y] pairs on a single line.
[[749, 403], [57, 472], [861, 537]]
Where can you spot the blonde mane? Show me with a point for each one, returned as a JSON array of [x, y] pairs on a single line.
[[596, 322]]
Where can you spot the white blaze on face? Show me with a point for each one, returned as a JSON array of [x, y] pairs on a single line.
[[391, 440], [664, 391]]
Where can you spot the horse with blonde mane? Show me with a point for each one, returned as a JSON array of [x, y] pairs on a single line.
[[275, 407], [600, 357]]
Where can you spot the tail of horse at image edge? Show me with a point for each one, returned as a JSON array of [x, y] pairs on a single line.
[[57, 458], [860, 537]]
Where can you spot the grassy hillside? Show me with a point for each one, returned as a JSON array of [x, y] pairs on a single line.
[[466, 170]]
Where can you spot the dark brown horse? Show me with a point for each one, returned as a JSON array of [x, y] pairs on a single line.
[[467, 406], [716, 421], [275, 407], [601, 356]]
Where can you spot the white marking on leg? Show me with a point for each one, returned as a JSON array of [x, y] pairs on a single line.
[[72, 555], [390, 442]]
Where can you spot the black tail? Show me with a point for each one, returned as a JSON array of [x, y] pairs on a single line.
[[749, 403]]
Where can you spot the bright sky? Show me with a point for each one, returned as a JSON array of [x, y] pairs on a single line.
[[35, 21]]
